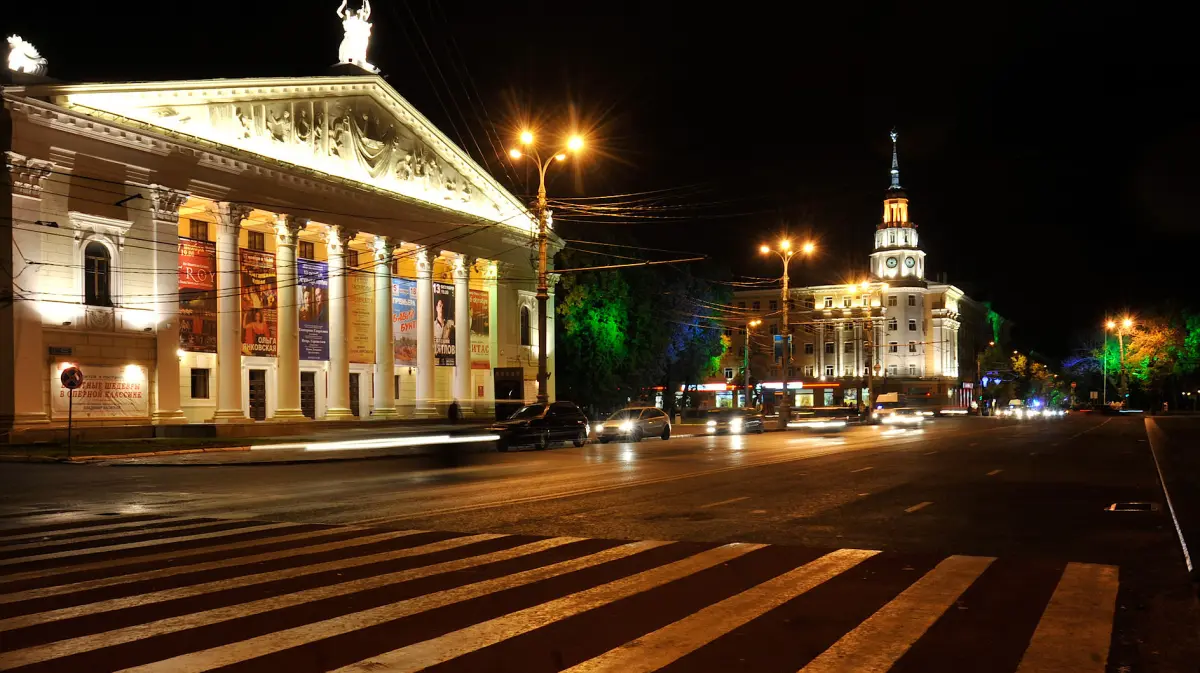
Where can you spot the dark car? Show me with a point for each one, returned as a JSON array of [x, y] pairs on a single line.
[[734, 421], [538, 425]]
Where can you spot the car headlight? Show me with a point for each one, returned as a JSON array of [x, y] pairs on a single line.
[[625, 427], [711, 424], [735, 424], [599, 428]]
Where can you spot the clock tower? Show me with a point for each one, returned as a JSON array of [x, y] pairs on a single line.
[[897, 257]]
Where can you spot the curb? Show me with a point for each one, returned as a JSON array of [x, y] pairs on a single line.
[[117, 456]]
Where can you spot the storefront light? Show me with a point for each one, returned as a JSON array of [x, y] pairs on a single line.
[[132, 374]]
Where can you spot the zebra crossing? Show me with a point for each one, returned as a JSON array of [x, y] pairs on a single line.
[[80, 592]]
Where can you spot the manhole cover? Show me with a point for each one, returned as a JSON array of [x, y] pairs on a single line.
[[1132, 507]]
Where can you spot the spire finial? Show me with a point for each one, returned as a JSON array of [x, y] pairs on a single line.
[[895, 162]]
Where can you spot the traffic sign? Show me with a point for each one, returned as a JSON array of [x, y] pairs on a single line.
[[71, 378]]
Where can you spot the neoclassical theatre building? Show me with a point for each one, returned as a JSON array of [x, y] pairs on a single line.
[[239, 251]]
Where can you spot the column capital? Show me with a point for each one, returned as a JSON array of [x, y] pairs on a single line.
[[27, 174], [424, 259], [489, 270], [462, 267], [384, 248], [165, 203], [338, 238], [287, 227], [231, 214]]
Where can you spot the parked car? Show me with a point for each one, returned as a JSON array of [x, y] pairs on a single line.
[[634, 424], [540, 425], [734, 421]]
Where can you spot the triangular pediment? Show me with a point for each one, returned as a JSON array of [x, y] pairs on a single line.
[[355, 128]]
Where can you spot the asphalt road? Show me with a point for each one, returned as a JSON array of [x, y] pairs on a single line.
[[991, 537]]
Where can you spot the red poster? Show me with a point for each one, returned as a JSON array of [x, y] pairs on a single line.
[[197, 296], [260, 301]]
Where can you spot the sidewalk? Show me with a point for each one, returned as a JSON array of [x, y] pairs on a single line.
[[276, 449]]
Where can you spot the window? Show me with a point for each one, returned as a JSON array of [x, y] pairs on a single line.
[[829, 347], [828, 302], [808, 349], [774, 328], [866, 300], [200, 383], [756, 305], [198, 230], [912, 347], [307, 250], [352, 258], [807, 302], [729, 372], [97, 275], [728, 331], [847, 302], [741, 304], [526, 327], [848, 347], [892, 300], [255, 240], [808, 371], [848, 326], [848, 371], [773, 305], [912, 300], [893, 370], [396, 387], [893, 347], [893, 325], [912, 370], [912, 325], [829, 371]]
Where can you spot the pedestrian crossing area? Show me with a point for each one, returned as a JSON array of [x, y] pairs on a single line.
[[150, 593]]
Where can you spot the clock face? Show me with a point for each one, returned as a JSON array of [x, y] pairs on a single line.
[[910, 262], [892, 262]]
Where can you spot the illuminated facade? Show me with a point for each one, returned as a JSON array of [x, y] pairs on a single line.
[[916, 336], [230, 251]]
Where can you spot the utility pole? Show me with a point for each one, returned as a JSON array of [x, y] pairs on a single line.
[[574, 144], [746, 361]]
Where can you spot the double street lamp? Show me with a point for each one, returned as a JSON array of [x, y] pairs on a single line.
[[746, 361], [574, 145], [1126, 325], [785, 251]]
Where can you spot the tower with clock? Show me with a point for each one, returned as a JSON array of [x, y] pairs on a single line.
[[897, 258]]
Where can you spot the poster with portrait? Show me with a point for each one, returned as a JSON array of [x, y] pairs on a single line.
[[197, 296], [260, 302], [404, 321], [314, 309], [443, 324], [481, 354], [360, 319]]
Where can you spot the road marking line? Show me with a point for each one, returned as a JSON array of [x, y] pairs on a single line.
[[929, 453], [235, 582], [4, 540], [144, 543], [419, 656], [973, 444], [758, 511], [201, 567], [861, 495], [165, 556], [1084, 432], [664, 646], [724, 502], [115, 535], [875, 645], [994, 473], [918, 506], [1152, 429], [63, 648], [861, 469], [232, 653], [1075, 630]]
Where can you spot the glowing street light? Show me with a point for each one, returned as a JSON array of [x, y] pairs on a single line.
[[574, 144], [746, 360], [786, 253]]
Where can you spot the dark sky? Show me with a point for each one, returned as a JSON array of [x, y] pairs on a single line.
[[1049, 152]]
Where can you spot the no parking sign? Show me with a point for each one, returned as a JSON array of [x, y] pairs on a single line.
[[72, 378]]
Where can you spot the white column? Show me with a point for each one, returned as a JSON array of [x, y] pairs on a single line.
[[164, 208], [287, 376], [385, 351], [229, 314], [425, 402], [551, 357], [491, 275], [338, 402], [462, 334]]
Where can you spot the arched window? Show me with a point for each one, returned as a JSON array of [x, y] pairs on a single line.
[[97, 275], [526, 327]]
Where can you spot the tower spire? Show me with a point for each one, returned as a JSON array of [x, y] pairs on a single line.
[[895, 162]]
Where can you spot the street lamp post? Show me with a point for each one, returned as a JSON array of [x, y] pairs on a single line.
[[786, 253], [869, 341], [1122, 382], [746, 361], [574, 144]]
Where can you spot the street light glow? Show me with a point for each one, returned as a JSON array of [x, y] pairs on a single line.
[[865, 285], [526, 138], [755, 323], [785, 245], [1127, 323], [808, 248], [1111, 324], [575, 143], [764, 249], [514, 153], [560, 157]]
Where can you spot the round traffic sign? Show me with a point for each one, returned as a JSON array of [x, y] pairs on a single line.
[[71, 378]]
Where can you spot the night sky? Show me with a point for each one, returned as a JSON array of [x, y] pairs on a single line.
[[1050, 154]]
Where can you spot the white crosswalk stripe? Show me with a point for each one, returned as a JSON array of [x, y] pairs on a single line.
[[549, 585]]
